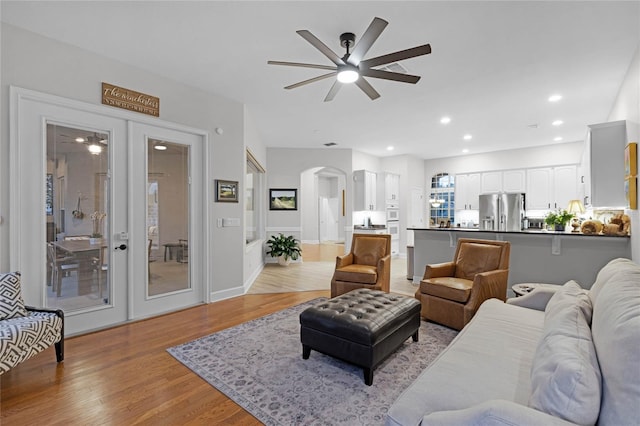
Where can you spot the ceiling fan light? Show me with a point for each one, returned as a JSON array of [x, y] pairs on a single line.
[[95, 149], [348, 75]]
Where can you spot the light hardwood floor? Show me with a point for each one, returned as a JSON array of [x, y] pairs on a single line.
[[124, 375]]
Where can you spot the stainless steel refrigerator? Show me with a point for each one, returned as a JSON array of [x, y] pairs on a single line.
[[501, 212]]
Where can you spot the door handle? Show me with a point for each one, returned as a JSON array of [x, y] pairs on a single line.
[[121, 247]]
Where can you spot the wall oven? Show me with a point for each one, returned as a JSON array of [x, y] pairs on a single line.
[[393, 214]]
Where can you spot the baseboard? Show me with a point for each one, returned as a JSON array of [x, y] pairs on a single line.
[[216, 296], [247, 285]]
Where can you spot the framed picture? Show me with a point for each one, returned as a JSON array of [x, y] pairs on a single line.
[[226, 191], [630, 159], [283, 199]]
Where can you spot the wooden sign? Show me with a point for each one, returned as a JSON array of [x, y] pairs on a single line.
[[129, 99]]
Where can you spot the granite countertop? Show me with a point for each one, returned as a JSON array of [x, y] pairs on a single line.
[[372, 227], [531, 231]]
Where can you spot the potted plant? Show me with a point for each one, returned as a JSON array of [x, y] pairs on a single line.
[[558, 220], [96, 235], [284, 248]]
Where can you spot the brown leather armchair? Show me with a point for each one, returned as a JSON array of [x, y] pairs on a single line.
[[368, 265], [452, 292]]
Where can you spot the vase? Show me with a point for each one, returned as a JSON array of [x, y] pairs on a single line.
[[284, 262]]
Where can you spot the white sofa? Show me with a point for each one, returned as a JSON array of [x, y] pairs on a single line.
[[559, 355]]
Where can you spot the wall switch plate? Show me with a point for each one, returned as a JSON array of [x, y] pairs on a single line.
[[230, 221], [123, 236]]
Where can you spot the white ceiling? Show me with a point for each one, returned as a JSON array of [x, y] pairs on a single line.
[[493, 66]]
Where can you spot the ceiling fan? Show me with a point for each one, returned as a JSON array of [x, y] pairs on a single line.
[[351, 68]]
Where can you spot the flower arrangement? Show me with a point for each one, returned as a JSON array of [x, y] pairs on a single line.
[[558, 219], [97, 218]]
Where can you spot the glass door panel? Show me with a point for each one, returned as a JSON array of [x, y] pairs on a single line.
[[167, 217], [76, 206]]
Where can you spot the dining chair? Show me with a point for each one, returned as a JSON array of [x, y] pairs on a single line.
[[60, 266]]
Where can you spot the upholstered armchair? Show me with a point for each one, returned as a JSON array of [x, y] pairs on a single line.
[[367, 265], [452, 292]]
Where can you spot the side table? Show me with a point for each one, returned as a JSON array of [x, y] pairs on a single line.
[[524, 288]]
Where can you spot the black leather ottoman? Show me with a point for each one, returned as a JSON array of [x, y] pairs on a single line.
[[361, 327]]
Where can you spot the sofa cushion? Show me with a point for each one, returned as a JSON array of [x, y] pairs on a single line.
[[474, 258], [605, 274], [450, 288], [357, 274], [11, 303], [489, 359], [616, 336], [568, 295], [565, 376]]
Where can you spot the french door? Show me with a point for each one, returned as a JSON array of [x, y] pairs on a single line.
[[94, 209]]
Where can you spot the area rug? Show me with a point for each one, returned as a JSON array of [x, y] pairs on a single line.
[[259, 365]]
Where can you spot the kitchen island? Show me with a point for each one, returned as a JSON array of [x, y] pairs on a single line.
[[536, 256]]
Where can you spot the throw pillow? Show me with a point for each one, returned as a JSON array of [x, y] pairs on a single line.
[[568, 295], [565, 375], [11, 303]]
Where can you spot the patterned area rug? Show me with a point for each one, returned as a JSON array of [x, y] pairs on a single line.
[[259, 365]]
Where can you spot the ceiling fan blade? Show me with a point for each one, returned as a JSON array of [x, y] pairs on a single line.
[[311, 80], [333, 91], [367, 88], [366, 41], [315, 42], [396, 56], [387, 75], [298, 64]]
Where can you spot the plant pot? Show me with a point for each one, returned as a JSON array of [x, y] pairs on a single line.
[[559, 227], [284, 262]]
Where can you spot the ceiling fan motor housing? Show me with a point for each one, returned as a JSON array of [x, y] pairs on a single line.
[[347, 40]]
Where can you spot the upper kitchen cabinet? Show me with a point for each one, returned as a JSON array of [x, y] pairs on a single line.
[[364, 190], [604, 169], [467, 189], [503, 181], [514, 181], [551, 187], [391, 187]]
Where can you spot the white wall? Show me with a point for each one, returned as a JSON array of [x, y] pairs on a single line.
[[544, 156], [627, 107], [285, 168], [38, 63]]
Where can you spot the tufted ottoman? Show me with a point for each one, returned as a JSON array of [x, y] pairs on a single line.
[[361, 327]]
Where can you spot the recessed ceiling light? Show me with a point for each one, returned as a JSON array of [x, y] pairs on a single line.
[[557, 123], [445, 120], [160, 147], [467, 137], [389, 148], [557, 139], [555, 98], [464, 151], [330, 144]]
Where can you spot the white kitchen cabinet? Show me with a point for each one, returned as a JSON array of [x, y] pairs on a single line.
[[503, 181], [491, 183], [467, 188], [514, 181], [391, 187], [364, 190], [551, 187], [539, 188], [565, 186], [604, 185]]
